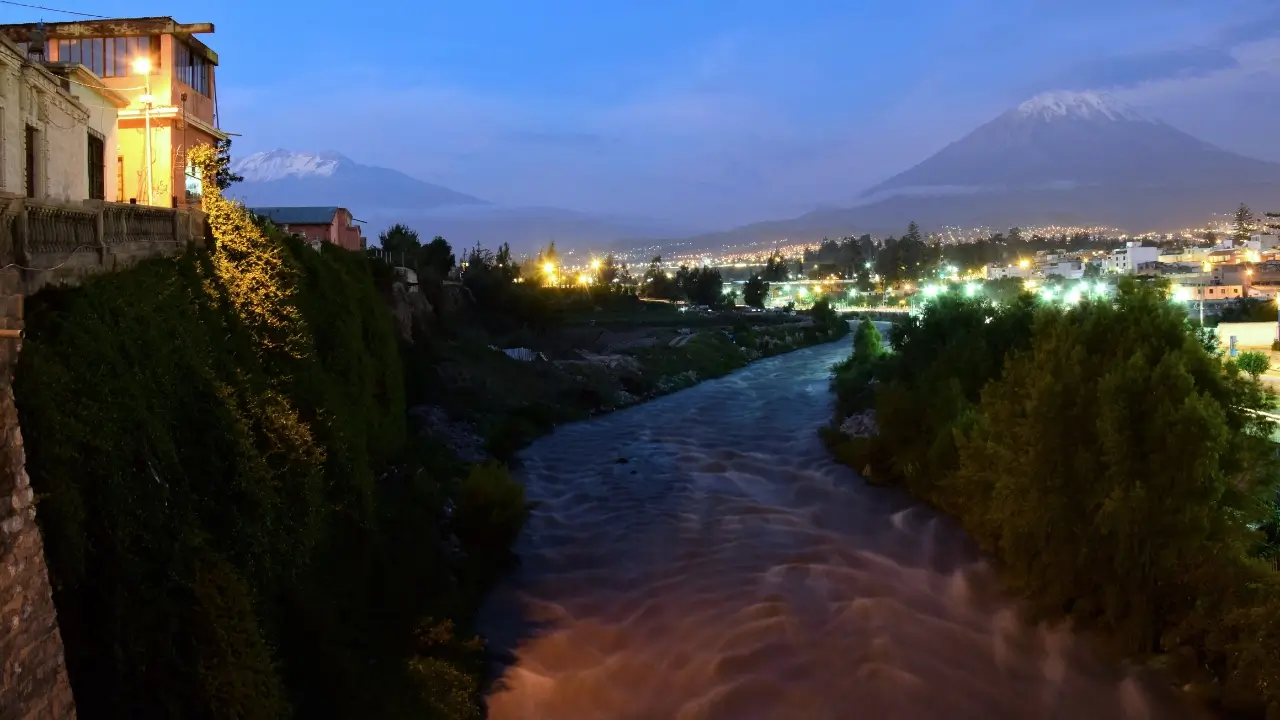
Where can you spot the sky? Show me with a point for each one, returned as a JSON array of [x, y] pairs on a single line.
[[710, 113]]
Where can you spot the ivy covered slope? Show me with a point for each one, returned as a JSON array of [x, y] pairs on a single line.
[[235, 522], [1105, 455]]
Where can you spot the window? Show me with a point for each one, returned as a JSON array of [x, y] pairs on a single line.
[[97, 167], [192, 68], [120, 178], [110, 57], [194, 189], [33, 161]]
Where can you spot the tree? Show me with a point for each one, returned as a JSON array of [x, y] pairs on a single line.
[[224, 176], [824, 316], [1015, 235], [657, 284], [755, 291], [702, 285], [775, 270], [401, 244], [437, 255], [610, 271], [1254, 363], [867, 342], [1244, 224], [913, 232]]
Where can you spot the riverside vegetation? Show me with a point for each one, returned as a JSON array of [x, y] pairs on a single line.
[[240, 517], [1106, 457]]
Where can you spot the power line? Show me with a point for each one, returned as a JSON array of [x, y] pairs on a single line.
[[41, 7]]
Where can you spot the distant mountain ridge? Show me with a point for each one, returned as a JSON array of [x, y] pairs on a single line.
[[381, 197]]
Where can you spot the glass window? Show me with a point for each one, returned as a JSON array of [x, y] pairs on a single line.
[[96, 62], [194, 189]]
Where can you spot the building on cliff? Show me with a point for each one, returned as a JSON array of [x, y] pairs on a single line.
[[317, 224], [57, 127], [166, 76]]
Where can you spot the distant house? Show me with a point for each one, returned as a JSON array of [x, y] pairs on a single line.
[[317, 224]]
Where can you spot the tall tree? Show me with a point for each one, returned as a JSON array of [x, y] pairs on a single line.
[[775, 270], [1015, 235], [913, 232], [401, 244], [437, 255], [1243, 225], [755, 291], [224, 177], [657, 284], [612, 272]]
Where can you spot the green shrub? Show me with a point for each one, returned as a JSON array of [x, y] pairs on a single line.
[[1254, 363], [867, 342], [490, 510]]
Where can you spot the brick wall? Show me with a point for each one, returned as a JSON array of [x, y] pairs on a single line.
[[33, 673], [55, 245]]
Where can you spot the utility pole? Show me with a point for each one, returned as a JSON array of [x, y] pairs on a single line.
[[142, 66]]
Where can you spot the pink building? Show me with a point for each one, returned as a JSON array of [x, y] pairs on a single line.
[[317, 224]]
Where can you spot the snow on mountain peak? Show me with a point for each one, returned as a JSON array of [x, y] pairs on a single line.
[[278, 164], [1084, 105]]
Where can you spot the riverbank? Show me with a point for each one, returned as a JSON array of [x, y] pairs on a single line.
[[266, 477], [484, 403], [1104, 457]]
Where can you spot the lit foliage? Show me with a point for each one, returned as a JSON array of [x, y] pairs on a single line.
[[1106, 457], [234, 522]]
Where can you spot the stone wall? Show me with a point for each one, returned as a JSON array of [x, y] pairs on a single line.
[[44, 245], [33, 674]]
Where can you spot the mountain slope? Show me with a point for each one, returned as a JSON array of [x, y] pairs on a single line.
[[285, 178], [381, 197], [1066, 140], [1080, 159]]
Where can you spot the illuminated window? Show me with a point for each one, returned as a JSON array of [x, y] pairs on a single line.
[[110, 57]]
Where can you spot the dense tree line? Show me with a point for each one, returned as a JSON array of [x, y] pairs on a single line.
[[1107, 456]]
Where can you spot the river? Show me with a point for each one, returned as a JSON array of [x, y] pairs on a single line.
[[700, 556]]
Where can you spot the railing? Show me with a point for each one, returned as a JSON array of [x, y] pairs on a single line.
[[30, 229], [55, 229]]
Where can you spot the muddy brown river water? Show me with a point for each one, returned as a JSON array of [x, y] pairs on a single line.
[[701, 557]]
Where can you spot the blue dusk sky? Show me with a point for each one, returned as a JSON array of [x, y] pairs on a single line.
[[713, 112]]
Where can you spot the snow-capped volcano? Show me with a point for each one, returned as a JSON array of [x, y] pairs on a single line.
[[1083, 105], [276, 164], [289, 177], [1063, 140]]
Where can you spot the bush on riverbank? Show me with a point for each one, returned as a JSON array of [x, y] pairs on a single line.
[[235, 523], [1107, 458]]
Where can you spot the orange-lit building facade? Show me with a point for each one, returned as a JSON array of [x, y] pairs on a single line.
[[181, 79]]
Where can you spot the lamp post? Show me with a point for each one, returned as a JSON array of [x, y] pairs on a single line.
[[142, 66]]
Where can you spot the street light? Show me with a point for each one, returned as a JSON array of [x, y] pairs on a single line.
[[142, 66]]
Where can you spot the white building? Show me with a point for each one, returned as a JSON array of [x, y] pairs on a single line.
[[1068, 269], [1262, 243], [57, 132], [999, 272], [1126, 260]]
